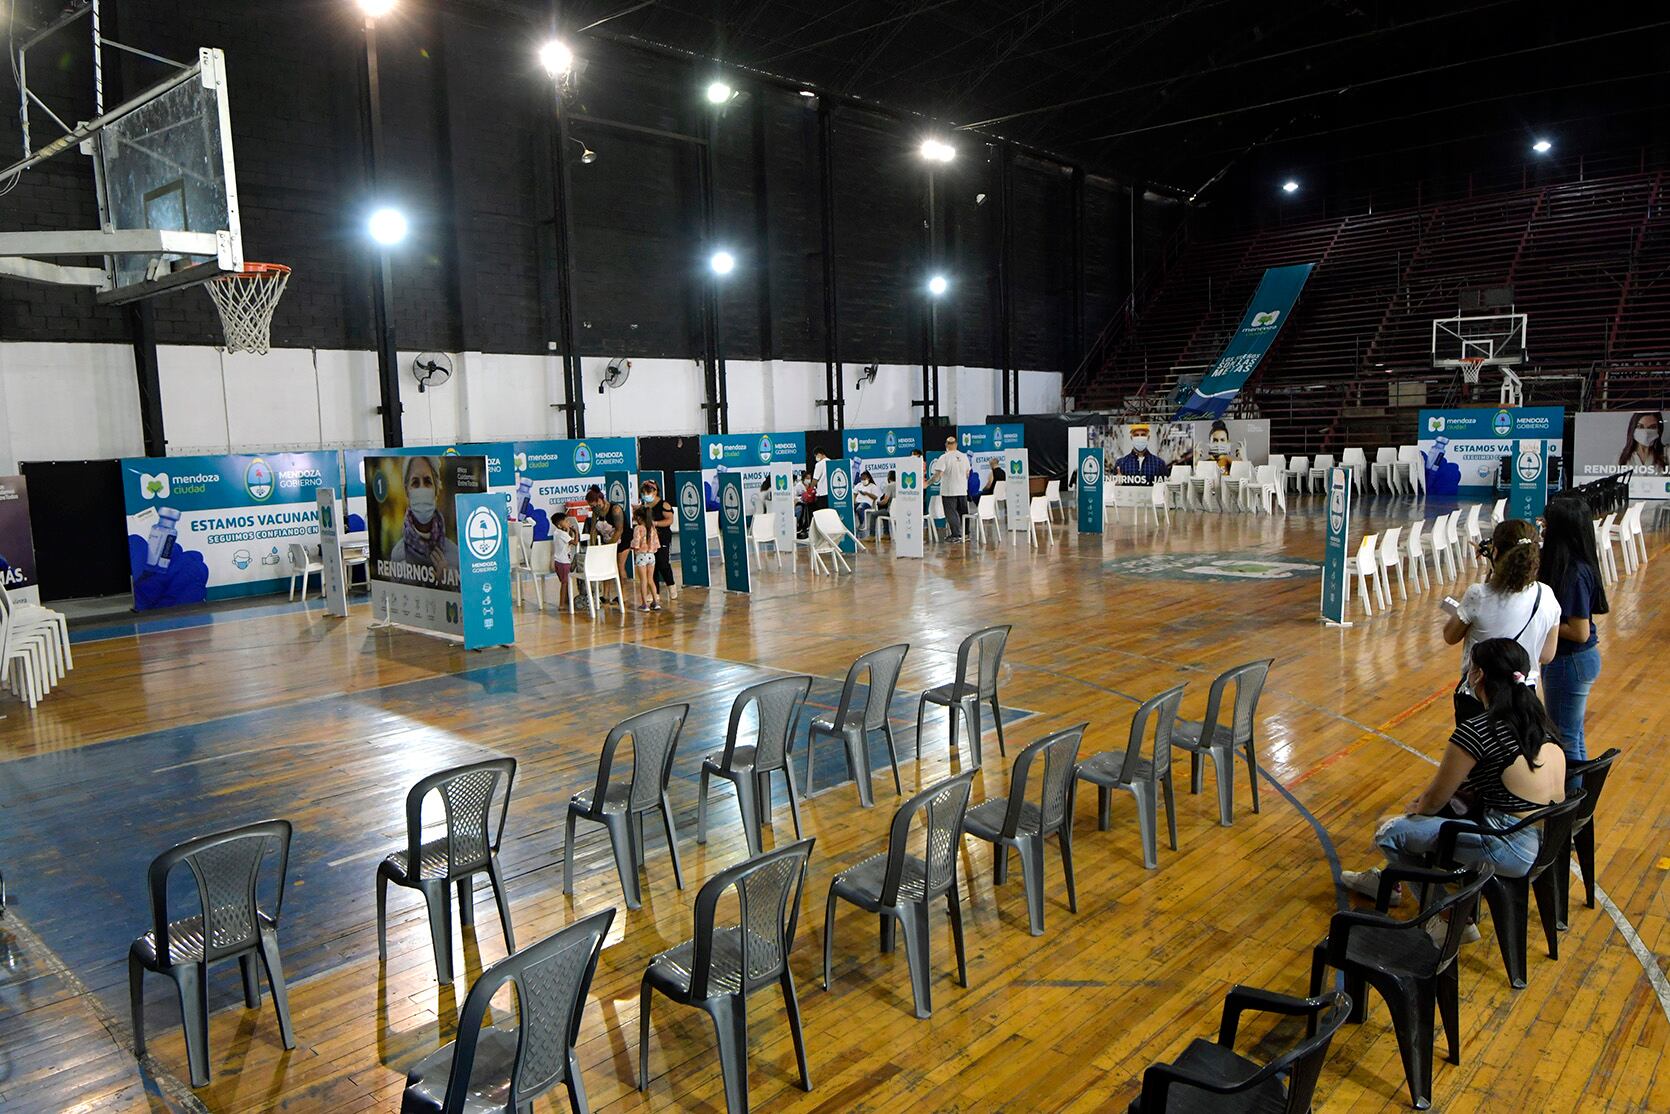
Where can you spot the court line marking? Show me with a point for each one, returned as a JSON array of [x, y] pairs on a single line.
[[168, 1086]]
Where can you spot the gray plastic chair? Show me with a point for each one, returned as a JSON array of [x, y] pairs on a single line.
[[469, 847], [621, 807], [979, 659], [852, 722], [226, 867], [1139, 776], [1019, 823], [1219, 739], [902, 887], [500, 1067], [717, 968], [777, 705]]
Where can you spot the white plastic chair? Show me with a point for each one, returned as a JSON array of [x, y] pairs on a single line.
[[1458, 541], [1368, 568], [1391, 556], [1419, 574], [1052, 497], [1413, 463], [1264, 491], [1298, 470], [1385, 466], [1441, 555], [597, 568], [1317, 477], [303, 564], [763, 530], [40, 638], [1204, 484], [1473, 534], [1612, 533], [1278, 462], [1158, 505], [1498, 513], [522, 566], [1236, 486], [54, 623], [985, 511], [1357, 461], [1039, 514], [542, 562], [21, 663], [712, 518], [1632, 533], [825, 537], [932, 516]]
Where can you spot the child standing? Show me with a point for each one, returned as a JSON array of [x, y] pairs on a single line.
[[563, 536], [644, 545]]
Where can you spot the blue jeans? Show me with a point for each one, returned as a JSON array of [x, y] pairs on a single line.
[[1407, 838], [1566, 682]]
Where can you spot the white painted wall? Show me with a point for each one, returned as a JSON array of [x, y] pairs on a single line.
[[79, 401]]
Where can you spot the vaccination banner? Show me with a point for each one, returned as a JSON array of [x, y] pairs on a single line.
[[1335, 578], [1605, 443], [333, 584], [733, 533], [1272, 304], [1465, 448], [692, 528], [500, 474], [749, 456], [985, 446], [206, 528], [484, 571], [17, 542], [879, 451], [1528, 493], [1090, 491], [553, 476], [412, 527]]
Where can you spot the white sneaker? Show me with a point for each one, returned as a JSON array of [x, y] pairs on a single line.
[[1438, 927], [1367, 884]]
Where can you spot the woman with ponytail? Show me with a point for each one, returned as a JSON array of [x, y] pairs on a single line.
[[1500, 765], [1509, 603]]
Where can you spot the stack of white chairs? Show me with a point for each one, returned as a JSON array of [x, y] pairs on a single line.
[[1412, 464], [1415, 553], [1385, 467], [1391, 556], [1298, 468], [1279, 463], [1205, 484], [34, 648], [1317, 477], [1234, 487], [1357, 461], [1368, 569], [1266, 491]]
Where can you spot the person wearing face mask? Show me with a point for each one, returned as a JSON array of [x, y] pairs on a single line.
[[662, 514], [423, 539], [1139, 465], [1644, 450]]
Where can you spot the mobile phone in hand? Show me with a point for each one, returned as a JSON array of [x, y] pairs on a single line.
[[1451, 605]]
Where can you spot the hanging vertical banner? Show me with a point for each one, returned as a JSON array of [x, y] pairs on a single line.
[[412, 525], [17, 541], [1334, 554], [1528, 494], [692, 528], [214, 527], [733, 533], [907, 513], [1017, 488], [333, 580], [840, 501], [784, 497], [484, 571], [1272, 304], [1090, 490]]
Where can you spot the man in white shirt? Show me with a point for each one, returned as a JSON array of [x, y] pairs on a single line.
[[820, 477], [951, 470]]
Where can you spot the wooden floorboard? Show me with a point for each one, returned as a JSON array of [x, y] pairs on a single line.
[[327, 722]]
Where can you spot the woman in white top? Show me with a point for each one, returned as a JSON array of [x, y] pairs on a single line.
[[1509, 603], [864, 495]]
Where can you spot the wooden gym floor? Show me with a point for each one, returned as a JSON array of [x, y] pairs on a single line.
[[278, 711]]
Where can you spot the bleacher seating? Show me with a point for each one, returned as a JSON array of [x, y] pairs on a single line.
[[1588, 261]]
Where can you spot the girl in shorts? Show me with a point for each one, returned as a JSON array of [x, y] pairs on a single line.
[[563, 535], [644, 544]]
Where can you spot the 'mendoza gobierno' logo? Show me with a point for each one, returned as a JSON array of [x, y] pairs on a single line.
[[1503, 424], [582, 458], [765, 448], [690, 501], [258, 480]]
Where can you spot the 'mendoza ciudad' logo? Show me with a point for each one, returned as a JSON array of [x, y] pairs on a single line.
[[1263, 319]]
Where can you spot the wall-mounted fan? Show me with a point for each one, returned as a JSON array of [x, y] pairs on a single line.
[[431, 369], [615, 375], [868, 375]]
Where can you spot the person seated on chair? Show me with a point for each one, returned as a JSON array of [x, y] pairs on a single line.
[[1501, 765], [1140, 464], [993, 480], [865, 493], [805, 503], [884, 502], [607, 526]]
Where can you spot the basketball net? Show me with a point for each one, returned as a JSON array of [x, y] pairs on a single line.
[[246, 300], [1470, 366]]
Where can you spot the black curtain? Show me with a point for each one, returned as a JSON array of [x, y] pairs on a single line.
[[77, 515]]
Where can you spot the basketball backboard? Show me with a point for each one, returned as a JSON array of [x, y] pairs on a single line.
[[1491, 340], [163, 173]]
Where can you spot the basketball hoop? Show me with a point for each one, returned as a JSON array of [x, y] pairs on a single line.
[[1470, 366], [246, 300]]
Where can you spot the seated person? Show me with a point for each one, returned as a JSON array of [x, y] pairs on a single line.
[[865, 493], [884, 504], [994, 481], [1500, 766], [1139, 465]]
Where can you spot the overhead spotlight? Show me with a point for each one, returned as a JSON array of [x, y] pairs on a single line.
[[722, 262], [979, 199], [387, 226], [1290, 186], [557, 57], [719, 93], [1542, 146], [807, 93], [938, 285], [376, 9], [935, 150], [587, 155]]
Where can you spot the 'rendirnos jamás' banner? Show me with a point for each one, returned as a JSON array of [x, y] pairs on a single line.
[[17, 541], [215, 527]]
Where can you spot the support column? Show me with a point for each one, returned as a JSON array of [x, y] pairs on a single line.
[[835, 389], [142, 321], [382, 276]]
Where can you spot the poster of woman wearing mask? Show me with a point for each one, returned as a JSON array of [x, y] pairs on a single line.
[[409, 518], [1607, 443]]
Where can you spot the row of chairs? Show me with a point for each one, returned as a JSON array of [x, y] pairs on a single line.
[[34, 648], [1403, 468]]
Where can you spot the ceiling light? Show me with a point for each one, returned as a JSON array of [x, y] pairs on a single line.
[[1542, 146], [935, 150], [938, 285], [376, 9], [719, 93], [1290, 186], [557, 57], [722, 262], [387, 226]]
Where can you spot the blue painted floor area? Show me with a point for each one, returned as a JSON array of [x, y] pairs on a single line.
[[79, 827], [163, 621]]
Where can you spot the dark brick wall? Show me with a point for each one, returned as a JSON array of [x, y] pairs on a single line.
[[465, 111]]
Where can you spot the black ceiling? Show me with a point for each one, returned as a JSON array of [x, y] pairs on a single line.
[[1178, 91]]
